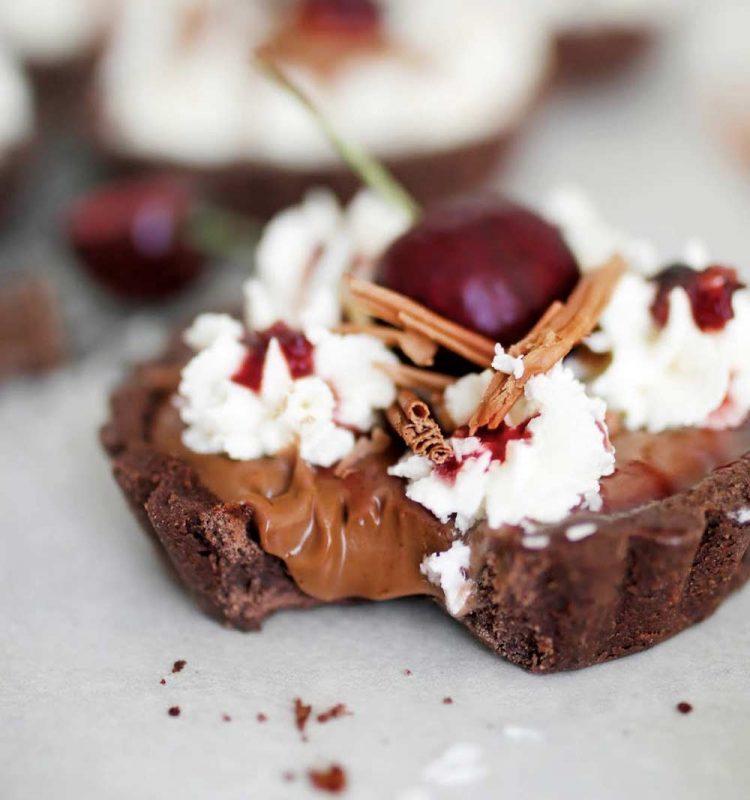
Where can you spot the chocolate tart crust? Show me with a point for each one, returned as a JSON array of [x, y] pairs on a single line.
[[212, 545], [642, 577], [259, 189]]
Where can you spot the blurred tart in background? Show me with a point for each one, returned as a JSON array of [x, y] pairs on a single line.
[[178, 86]]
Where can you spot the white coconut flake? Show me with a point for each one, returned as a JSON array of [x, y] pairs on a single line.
[[504, 362], [582, 530], [535, 541], [741, 516], [449, 570], [521, 734]]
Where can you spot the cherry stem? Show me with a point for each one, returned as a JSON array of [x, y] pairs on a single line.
[[219, 233], [368, 169]]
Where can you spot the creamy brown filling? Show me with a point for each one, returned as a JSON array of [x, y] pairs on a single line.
[[360, 536]]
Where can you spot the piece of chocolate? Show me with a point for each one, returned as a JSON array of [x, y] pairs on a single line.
[[599, 52], [663, 556], [32, 336]]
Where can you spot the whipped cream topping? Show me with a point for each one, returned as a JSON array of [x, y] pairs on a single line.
[[449, 570], [306, 249], [676, 375], [49, 31], [320, 412], [555, 451], [16, 108], [196, 98], [591, 238]]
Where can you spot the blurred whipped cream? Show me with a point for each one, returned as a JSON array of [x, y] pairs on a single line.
[[306, 249], [321, 412], [608, 14], [554, 467], [53, 31], [177, 81], [16, 108]]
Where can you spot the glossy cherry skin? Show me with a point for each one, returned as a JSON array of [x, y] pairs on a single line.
[[484, 262], [132, 237]]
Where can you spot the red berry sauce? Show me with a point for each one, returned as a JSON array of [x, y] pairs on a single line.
[[297, 350], [496, 441], [710, 292], [348, 17]]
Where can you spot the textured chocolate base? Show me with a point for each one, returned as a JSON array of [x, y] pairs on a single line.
[[212, 546], [643, 577], [261, 190], [600, 52], [32, 334]]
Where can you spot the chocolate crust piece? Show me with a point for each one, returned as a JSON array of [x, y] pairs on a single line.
[[643, 576], [211, 545], [261, 190], [600, 52]]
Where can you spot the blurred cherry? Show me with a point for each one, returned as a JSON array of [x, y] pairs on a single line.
[[339, 16], [132, 236], [484, 262]]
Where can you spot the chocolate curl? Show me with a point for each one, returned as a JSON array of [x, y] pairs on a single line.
[[561, 327], [412, 419]]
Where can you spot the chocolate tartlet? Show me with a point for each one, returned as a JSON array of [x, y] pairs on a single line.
[[565, 513], [648, 573]]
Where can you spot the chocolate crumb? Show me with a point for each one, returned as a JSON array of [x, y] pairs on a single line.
[[407, 672], [163, 682], [331, 780], [226, 717], [684, 708], [174, 711], [288, 776], [179, 665], [447, 701], [301, 715], [339, 710], [261, 717]]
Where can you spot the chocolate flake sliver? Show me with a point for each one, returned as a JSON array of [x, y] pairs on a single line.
[[332, 780], [301, 714], [179, 665], [226, 718], [261, 717], [174, 711], [339, 710], [407, 672], [447, 701], [163, 682], [684, 708]]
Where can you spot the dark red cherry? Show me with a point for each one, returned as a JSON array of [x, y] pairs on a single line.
[[484, 262], [132, 237], [339, 16], [710, 292]]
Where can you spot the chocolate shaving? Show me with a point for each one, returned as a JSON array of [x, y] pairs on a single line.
[[378, 442], [414, 318], [412, 420], [560, 328], [179, 665], [415, 378], [417, 348]]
